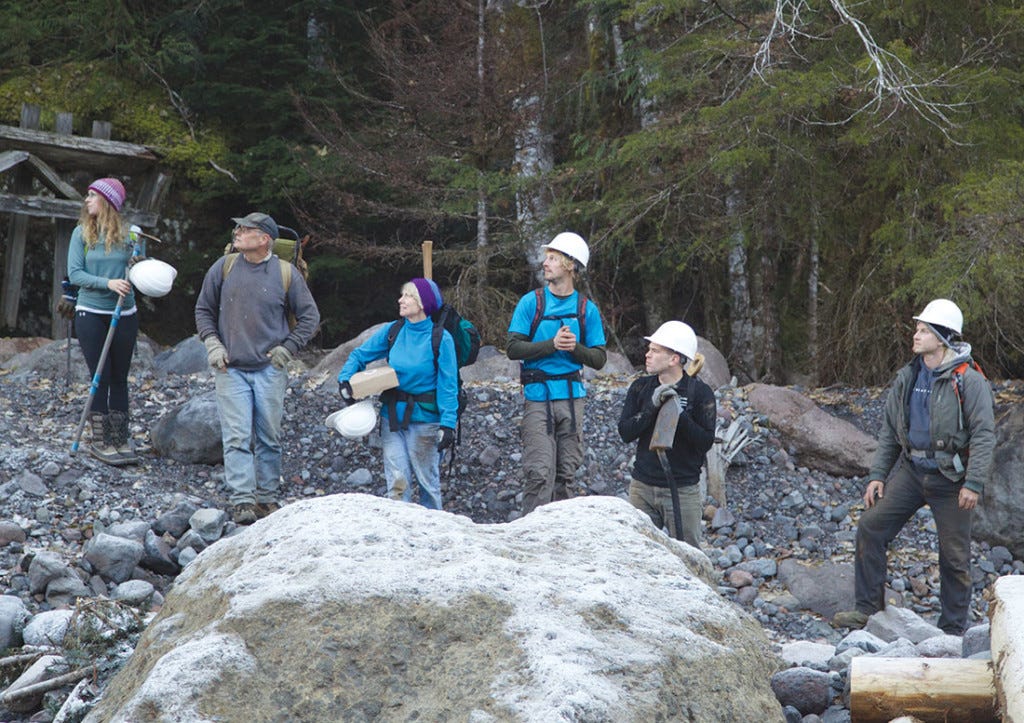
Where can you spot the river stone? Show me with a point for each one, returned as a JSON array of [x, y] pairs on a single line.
[[542, 618]]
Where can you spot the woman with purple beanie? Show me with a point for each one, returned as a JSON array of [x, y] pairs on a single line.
[[98, 258], [418, 418]]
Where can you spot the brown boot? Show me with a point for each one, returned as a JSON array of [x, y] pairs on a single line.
[[121, 438], [100, 445]]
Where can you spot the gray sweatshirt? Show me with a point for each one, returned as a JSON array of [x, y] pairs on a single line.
[[248, 311]]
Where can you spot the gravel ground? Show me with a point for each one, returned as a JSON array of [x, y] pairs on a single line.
[[781, 510]]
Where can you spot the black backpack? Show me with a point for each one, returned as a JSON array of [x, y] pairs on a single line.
[[580, 315], [467, 348]]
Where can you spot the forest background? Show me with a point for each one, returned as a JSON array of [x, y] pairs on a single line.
[[794, 178]]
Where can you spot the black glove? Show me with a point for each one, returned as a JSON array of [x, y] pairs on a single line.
[[445, 438], [345, 390]]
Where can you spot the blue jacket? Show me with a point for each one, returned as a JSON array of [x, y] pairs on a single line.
[[412, 358]]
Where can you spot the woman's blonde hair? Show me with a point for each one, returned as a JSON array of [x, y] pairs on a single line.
[[107, 223]]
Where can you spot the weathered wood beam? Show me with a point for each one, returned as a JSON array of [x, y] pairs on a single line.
[[79, 152], [52, 180], [1007, 635], [14, 257], [950, 690], [9, 159], [47, 207]]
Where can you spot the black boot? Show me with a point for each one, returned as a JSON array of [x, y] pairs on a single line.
[[121, 438], [100, 445]]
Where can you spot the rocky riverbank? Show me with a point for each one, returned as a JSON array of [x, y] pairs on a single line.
[[781, 517]]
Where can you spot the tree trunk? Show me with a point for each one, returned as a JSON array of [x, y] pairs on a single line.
[[742, 344], [813, 278]]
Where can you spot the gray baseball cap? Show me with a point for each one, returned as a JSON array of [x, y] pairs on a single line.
[[261, 221]]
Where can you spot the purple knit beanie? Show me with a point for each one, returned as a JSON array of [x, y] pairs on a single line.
[[430, 295], [111, 189]]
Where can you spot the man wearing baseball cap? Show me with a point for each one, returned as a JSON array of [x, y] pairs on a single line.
[[242, 318], [935, 449], [670, 349]]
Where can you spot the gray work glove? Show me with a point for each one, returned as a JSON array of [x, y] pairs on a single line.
[[661, 393], [280, 357], [216, 354]]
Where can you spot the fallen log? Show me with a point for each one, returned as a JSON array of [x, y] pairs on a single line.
[[950, 690], [1007, 635]]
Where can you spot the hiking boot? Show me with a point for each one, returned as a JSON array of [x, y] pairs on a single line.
[[100, 446], [853, 619], [120, 438], [244, 513], [266, 508]]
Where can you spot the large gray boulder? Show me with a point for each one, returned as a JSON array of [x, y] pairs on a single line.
[[999, 517], [715, 372], [50, 361], [822, 441], [352, 607], [190, 432], [188, 356]]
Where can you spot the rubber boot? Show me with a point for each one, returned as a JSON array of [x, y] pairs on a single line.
[[121, 438], [100, 445]]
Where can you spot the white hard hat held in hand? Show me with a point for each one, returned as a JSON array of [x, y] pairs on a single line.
[[355, 421], [152, 277], [572, 245]]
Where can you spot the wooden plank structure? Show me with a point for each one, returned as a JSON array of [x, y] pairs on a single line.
[[950, 690], [35, 156]]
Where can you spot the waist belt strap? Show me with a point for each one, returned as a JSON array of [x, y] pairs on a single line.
[[922, 454], [534, 376], [391, 398]]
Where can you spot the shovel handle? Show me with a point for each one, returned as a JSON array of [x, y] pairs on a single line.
[[428, 259]]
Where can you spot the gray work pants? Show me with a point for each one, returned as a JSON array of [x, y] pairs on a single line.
[[550, 460], [907, 490]]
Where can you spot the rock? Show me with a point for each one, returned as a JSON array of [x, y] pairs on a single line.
[[114, 558], [899, 648], [50, 362], [894, 622], [572, 627], [999, 517], [821, 441], [32, 484], [976, 640], [941, 646], [188, 356], [47, 629], [10, 532], [807, 654], [13, 616], [809, 691], [156, 555], [862, 640], [137, 593], [63, 591], [133, 530], [191, 432], [176, 521], [208, 523], [45, 567], [825, 587], [715, 372]]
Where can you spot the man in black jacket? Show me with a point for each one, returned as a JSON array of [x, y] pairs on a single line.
[[671, 347]]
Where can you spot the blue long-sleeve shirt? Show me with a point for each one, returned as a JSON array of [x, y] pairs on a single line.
[[412, 358]]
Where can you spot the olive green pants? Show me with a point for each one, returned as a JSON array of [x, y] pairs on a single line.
[[550, 460], [657, 503]]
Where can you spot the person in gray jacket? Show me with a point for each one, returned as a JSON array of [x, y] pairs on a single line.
[[242, 318], [935, 448]]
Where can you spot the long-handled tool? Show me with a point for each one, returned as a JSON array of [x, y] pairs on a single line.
[[662, 437], [428, 259], [116, 317]]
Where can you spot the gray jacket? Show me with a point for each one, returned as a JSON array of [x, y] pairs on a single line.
[[956, 427]]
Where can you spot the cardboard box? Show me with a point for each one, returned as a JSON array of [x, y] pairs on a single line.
[[373, 381]]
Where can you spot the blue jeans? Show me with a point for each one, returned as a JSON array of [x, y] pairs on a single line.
[[251, 405], [412, 454]]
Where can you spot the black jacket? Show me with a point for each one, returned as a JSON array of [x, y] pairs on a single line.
[[694, 435]]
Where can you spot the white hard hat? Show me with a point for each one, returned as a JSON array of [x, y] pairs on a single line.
[[355, 421], [572, 245], [677, 336], [942, 312], [152, 277]]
